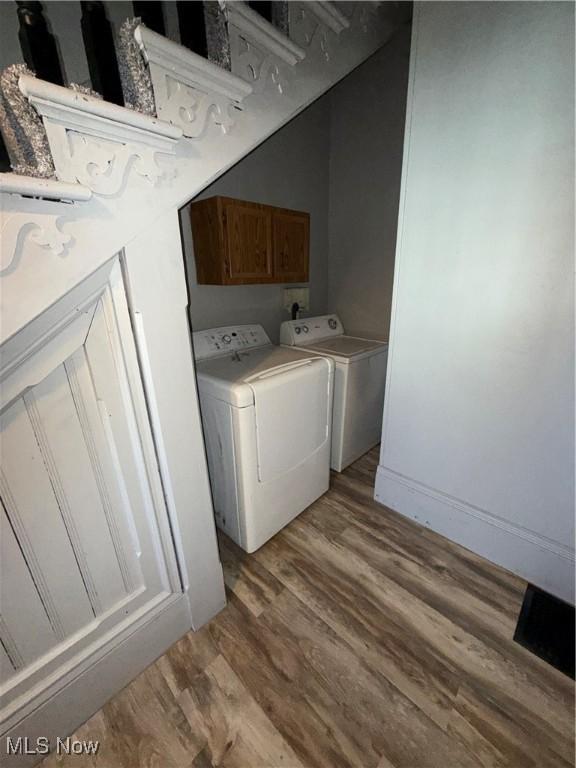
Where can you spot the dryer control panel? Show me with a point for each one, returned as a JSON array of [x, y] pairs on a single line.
[[231, 338], [309, 330]]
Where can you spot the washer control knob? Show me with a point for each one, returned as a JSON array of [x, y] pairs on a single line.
[[226, 339], [332, 323], [305, 328], [297, 330]]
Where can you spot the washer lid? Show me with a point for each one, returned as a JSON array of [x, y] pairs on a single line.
[[231, 378], [347, 347]]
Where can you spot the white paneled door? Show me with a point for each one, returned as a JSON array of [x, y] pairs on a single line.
[[88, 569]]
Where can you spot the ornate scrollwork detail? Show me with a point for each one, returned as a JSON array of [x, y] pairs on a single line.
[[308, 30], [51, 237], [45, 231], [256, 66], [103, 165], [192, 109], [191, 92], [303, 25]]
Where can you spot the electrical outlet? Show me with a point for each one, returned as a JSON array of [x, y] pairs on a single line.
[[301, 296]]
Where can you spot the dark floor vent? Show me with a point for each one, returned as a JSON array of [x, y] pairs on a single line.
[[546, 628]]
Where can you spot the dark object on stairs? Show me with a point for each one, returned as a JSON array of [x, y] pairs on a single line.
[[101, 52], [546, 628], [37, 43], [151, 14], [4, 159], [263, 8], [192, 26]]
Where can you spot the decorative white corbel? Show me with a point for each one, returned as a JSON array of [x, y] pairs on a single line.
[[260, 54], [33, 211], [190, 91], [95, 143], [318, 24], [42, 228]]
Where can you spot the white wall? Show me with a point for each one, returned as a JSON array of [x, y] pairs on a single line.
[[366, 138], [290, 170], [478, 436]]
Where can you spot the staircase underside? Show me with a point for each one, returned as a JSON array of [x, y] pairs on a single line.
[[118, 170]]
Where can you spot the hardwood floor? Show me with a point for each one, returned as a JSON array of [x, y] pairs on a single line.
[[353, 638]]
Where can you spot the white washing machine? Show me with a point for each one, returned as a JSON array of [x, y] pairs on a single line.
[[266, 412], [359, 382]]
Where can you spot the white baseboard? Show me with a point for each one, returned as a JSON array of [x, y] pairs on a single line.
[[539, 560], [90, 690]]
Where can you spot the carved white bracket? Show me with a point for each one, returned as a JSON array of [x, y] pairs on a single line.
[[190, 91], [261, 54], [33, 211], [96, 143], [314, 23], [19, 227]]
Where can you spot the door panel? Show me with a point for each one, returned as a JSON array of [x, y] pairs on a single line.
[[75, 486], [6, 667], [291, 246], [26, 487], [25, 630], [249, 242], [85, 551]]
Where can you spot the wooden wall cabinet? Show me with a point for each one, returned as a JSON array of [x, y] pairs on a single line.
[[239, 243]]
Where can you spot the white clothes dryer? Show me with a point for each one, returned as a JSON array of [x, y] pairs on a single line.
[[266, 413]]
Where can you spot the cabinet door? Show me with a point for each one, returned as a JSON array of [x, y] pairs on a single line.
[[291, 246], [248, 233], [87, 564]]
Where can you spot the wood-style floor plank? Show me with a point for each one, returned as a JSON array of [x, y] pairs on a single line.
[[234, 730], [359, 691], [244, 576], [355, 637], [346, 606]]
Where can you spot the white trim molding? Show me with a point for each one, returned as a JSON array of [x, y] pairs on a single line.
[[87, 114], [529, 554], [329, 15], [189, 91], [95, 143], [43, 189]]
